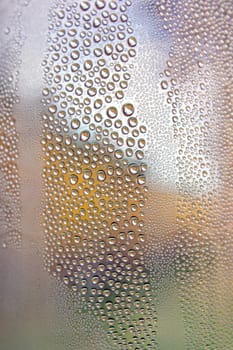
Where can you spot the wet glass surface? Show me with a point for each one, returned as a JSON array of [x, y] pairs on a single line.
[[116, 175]]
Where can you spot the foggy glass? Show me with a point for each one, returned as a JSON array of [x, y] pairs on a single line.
[[116, 175]]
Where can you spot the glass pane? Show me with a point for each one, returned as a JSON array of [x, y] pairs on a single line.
[[116, 175]]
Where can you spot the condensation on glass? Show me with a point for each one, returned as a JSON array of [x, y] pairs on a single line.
[[116, 175]]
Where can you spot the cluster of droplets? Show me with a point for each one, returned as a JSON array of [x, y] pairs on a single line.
[[9, 174], [196, 81], [88, 69], [94, 174]]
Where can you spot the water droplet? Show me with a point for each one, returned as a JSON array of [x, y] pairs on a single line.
[[164, 84], [112, 112], [128, 109], [73, 179], [84, 136], [75, 124], [101, 176]]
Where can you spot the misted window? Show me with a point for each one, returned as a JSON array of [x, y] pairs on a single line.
[[116, 174]]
